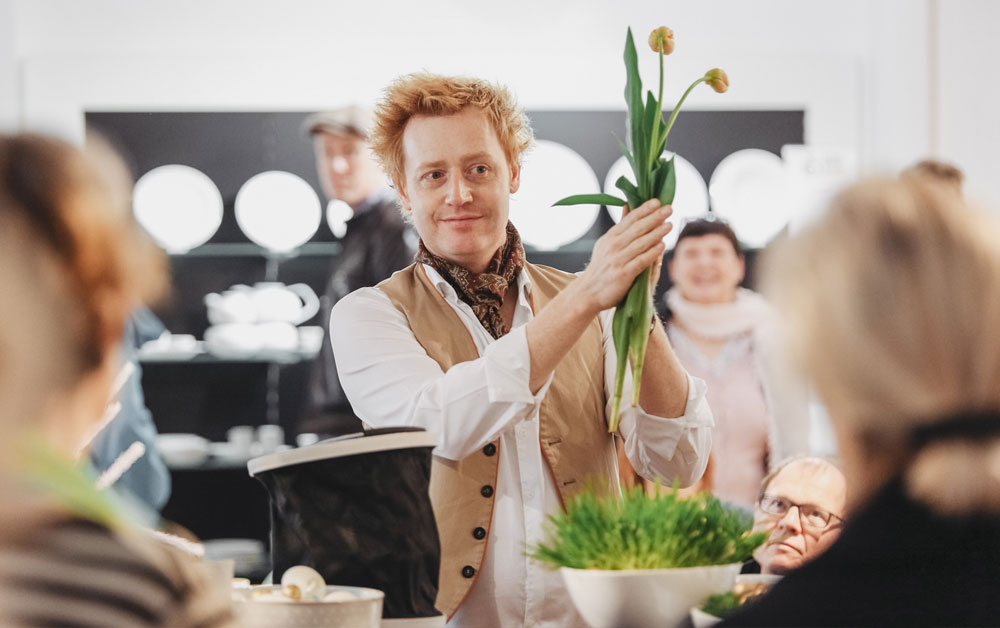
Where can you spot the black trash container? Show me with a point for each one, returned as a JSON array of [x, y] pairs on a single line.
[[356, 508]]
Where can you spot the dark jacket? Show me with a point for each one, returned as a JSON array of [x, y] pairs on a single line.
[[377, 243], [896, 563]]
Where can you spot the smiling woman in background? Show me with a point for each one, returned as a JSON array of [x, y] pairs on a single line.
[[720, 333], [892, 303], [73, 264]]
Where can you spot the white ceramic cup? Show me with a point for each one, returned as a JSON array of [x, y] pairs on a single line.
[[240, 438], [306, 438], [270, 437]]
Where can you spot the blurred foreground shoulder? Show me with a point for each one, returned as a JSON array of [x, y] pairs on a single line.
[[78, 573]]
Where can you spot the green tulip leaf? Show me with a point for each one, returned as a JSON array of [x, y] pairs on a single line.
[[650, 112], [669, 185], [633, 98], [590, 199], [620, 335], [625, 151], [630, 191]]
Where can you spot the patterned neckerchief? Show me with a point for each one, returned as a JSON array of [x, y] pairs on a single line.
[[483, 291]]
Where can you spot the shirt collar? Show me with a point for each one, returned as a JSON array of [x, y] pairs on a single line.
[[448, 292]]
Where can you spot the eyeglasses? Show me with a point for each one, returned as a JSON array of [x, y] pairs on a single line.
[[812, 517]]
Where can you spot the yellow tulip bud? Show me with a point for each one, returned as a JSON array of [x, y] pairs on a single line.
[[717, 79], [662, 40]]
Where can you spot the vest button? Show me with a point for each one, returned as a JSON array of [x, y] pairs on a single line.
[[479, 533], [468, 571], [490, 449], [487, 491]]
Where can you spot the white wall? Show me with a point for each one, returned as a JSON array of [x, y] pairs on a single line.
[[860, 68], [9, 92], [967, 130], [255, 55]]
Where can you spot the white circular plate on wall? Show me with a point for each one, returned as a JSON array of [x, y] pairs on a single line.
[[552, 171], [179, 206], [749, 190], [278, 210], [690, 201]]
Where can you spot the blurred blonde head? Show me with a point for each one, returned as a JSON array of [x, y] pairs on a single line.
[[892, 306], [73, 264], [937, 171]]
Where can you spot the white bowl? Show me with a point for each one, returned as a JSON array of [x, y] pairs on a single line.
[[182, 450], [233, 340], [634, 598], [756, 578], [363, 612], [701, 619]]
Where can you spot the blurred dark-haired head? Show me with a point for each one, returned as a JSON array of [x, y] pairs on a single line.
[[706, 226], [707, 263]]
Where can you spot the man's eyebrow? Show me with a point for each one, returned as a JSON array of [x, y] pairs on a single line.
[[789, 499], [477, 156], [428, 165]]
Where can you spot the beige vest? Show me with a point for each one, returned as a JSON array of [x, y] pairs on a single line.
[[573, 431]]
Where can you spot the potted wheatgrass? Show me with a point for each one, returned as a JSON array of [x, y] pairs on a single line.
[[641, 559], [646, 560], [653, 177]]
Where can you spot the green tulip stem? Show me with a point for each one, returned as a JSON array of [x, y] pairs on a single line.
[[658, 120], [677, 109], [659, 97]]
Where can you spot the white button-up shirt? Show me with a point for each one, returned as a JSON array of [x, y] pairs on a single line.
[[391, 381]]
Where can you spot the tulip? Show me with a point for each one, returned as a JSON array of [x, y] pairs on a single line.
[[662, 40], [654, 178], [717, 79]]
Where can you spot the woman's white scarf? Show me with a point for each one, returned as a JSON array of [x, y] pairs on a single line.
[[749, 312]]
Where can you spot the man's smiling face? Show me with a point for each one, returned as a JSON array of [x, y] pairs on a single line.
[[457, 184]]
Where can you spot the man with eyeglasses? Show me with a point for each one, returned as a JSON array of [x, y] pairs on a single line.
[[801, 505]]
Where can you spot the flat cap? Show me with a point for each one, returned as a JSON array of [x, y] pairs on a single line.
[[349, 120]]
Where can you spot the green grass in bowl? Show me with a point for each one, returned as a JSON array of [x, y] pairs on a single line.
[[641, 531]]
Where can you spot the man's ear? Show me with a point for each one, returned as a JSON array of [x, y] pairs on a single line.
[[515, 177]]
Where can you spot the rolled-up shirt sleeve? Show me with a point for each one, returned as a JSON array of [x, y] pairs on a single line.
[[661, 447], [391, 381]]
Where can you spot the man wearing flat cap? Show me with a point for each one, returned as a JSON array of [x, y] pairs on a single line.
[[374, 246]]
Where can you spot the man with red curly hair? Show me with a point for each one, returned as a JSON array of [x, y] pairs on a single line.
[[510, 363]]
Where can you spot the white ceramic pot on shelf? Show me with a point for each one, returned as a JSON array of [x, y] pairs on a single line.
[[636, 598], [233, 340], [231, 306], [276, 302], [265, 302], [278, 336]]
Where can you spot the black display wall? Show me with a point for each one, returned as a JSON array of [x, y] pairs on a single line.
[[231, 147]]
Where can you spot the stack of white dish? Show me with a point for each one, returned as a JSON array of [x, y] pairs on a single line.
[[247, 321]]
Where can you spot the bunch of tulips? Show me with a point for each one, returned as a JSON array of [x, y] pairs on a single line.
[[654, 177]]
